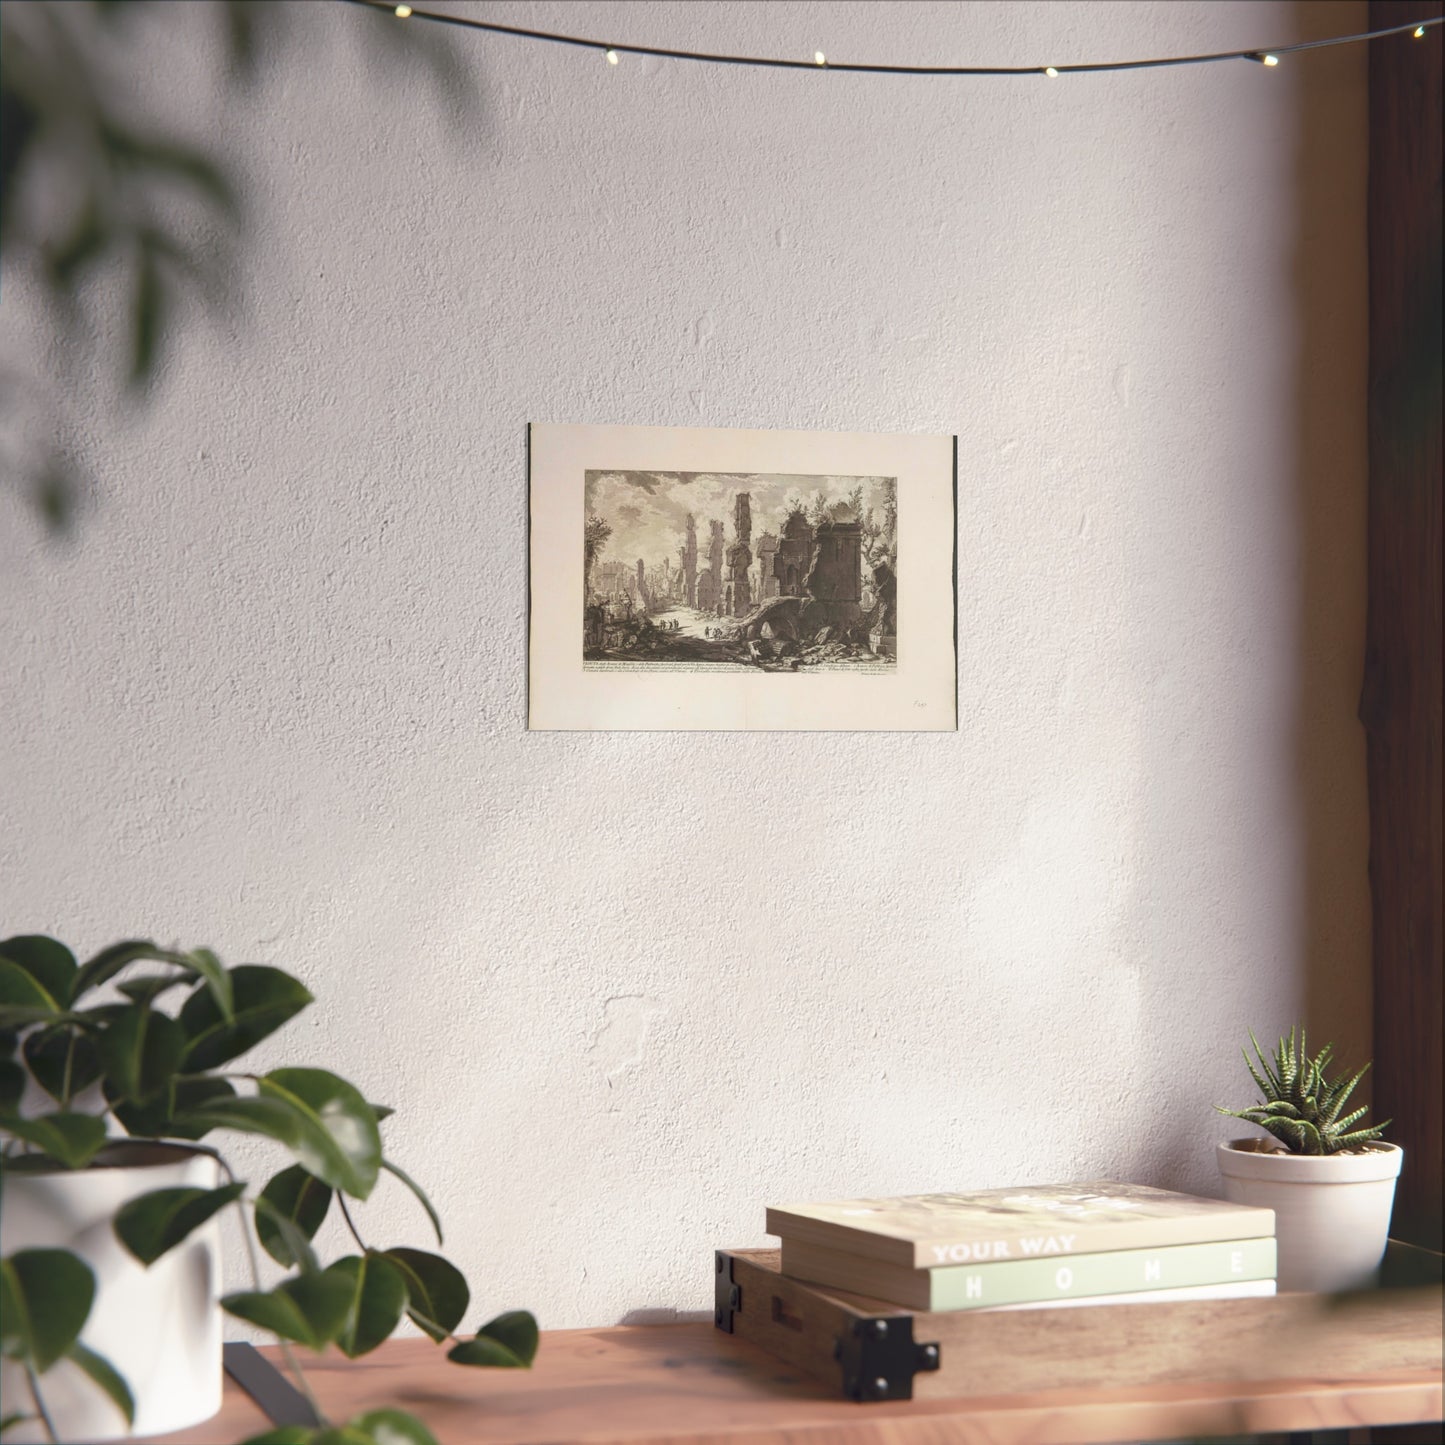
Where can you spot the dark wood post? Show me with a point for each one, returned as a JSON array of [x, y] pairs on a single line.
[[1400, 703]]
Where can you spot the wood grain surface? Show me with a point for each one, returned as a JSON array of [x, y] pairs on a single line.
[[1274, 1340], [670, 1384]]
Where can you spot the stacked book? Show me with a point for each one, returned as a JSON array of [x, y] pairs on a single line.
[[1031, 1247]]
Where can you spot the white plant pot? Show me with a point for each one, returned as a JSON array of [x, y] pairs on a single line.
[[160, 1327], [1331, 1211]]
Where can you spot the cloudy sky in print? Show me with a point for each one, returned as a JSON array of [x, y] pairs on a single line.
[[648, 510]]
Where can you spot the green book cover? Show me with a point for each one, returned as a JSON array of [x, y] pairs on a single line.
[[1031, 1281]]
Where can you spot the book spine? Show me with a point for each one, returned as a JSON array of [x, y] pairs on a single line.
[[1030, 1281]]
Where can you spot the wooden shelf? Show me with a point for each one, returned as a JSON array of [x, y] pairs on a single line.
[[670, 1384]]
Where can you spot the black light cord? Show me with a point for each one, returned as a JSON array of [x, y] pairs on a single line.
[[613, 49]]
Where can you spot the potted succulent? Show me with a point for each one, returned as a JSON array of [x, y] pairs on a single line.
[[1331, 1185], [113, 1086]]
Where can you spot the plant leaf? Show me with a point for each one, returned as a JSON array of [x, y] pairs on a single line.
[[1283, 1108], [109, 962], [148, 315], [73, 1139], [392, 1427], [14, 1322], [416, 1189], [378, 1296], [280, 1116], [437, 1293], [299, 1247], [46, 1052], [1361, 1136], [310, 1310], [50, 964], [517, 1330], [141, 1121], [179, 161], [269, 1117], [340, 1143], [148, 989], [264, 998], [10, 1421], [210, 968], [141, 1051], [507, 1342], [12, 1086], [298, 1197], [1338, 1126], [86, 240], [164, 1116], [46, 1296], [23, 999], [151, 1224], [104, 1374], [97, 1018]]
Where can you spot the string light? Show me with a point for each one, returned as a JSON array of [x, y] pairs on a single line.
[[1261, 56]]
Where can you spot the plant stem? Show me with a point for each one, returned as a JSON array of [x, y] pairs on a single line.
[[291, 1361], [39, 1403], [66, 1078], [346, 1215]]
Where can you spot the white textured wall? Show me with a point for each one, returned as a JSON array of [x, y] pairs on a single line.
[[624, 990]]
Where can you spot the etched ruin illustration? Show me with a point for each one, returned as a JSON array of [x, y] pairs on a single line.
[[709, 570]]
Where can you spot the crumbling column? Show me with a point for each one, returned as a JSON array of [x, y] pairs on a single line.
[[689, 561], [740, 556]]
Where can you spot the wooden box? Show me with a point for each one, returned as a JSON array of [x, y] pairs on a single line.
[[871, 1350]]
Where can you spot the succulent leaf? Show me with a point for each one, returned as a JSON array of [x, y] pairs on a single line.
[[1300, 1106]]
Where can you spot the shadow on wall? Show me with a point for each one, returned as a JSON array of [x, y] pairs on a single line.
[[1324, 905]]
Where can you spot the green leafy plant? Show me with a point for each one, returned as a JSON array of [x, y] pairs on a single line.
[[1301, 1107], [171, 1075], [91, 189]]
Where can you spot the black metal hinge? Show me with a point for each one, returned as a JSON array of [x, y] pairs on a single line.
[[880, 1358], [727, 1296]]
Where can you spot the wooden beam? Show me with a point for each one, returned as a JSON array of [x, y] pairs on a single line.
[[1400, 703]]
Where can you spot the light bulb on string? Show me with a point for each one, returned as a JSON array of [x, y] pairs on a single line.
[[1260, 57]]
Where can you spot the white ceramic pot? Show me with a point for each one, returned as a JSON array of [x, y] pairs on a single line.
[[1331, 1211], [160, 1327]]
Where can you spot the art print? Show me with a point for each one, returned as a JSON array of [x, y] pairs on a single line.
[[692, 578], [777, 572]]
